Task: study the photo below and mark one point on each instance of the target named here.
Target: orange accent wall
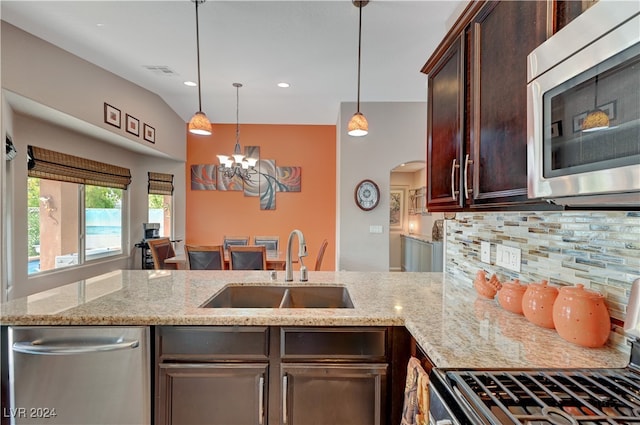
(212, 214)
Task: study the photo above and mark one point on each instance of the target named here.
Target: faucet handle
(304, 276)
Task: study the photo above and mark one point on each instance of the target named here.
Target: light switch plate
(485, 252)
(375, 228)
(508, 257)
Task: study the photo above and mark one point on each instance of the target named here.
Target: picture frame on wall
(396, 209)
(111, 115)
(556, 129)
(133, 125)
(149, 133)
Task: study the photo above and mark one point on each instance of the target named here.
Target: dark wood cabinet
(444, 129)
(477, 108)
(279, 375)
(334, 393)
(212, 394)
(495, 165)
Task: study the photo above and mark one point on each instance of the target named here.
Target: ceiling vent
(162, 70)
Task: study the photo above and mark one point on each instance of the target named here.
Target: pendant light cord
(237, 113)
(198, 55)
(359, 50)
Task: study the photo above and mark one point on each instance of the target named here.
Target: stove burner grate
(541, 397)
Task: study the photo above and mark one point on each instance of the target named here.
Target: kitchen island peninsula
(453, 326)
(284, 357)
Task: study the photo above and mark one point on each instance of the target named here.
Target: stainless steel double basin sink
(272, 296)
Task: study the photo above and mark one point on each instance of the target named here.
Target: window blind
(51, 165)
(160, 184)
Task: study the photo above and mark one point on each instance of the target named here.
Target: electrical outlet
(485, 252)
(508, 257)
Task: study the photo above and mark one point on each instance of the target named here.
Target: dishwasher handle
(66, 346)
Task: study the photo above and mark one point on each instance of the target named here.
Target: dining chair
(323, 248)
(161, 249)
(272, 243)
(227, 241)
(200, 257)
(251, 257)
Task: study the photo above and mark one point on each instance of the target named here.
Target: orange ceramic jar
(581, 316)
(537, 303)
(510, 296)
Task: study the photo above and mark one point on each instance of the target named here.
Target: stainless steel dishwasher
(79, 375)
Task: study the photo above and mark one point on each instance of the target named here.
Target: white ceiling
(312, 45)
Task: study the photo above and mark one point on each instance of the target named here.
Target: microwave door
(571, 156)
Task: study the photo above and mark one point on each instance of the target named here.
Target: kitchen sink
(260, 296)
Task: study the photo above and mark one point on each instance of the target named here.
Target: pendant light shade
(358, 125)
(199, 123)
(595, 120)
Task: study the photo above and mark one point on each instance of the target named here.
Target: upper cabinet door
(444, 129)
(495, 164)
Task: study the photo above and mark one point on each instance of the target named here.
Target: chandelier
(237, 164)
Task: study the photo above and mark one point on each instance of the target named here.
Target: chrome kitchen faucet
(302, 252)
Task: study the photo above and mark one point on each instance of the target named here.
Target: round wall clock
(367, 195)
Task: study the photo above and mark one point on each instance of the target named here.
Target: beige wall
(397, 134)
(66, 95)
(49, 76)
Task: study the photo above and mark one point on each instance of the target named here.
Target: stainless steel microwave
(583, 110)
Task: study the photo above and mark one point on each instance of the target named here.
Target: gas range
(542, 396)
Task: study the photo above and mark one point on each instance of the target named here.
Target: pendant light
(199, 123)
(358, 125)
(597, 119)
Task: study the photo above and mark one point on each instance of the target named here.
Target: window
(54, 225)
(161, 201)
(75, 210)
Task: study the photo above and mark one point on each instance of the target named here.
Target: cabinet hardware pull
(284, 399)
(454, 192)
(261, 400)
(467, 162)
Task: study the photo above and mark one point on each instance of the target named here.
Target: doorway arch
(405, 180)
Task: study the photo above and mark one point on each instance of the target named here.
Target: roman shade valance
(160, 184)
(51, 165)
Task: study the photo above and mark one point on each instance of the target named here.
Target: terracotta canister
(581, 316)
(510, 296)
(537, 303)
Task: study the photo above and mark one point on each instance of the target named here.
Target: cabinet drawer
(212, 342)
(334, 343)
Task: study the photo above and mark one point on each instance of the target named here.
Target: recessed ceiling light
(284, 85)
(190, 83)
(99, 25)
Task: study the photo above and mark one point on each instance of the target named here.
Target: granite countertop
(423, 238)
(452, 325)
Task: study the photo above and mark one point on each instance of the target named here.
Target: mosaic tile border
(599, 249)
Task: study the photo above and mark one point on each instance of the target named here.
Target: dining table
(275, 260)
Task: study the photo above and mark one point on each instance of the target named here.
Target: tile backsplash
(598, 249)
